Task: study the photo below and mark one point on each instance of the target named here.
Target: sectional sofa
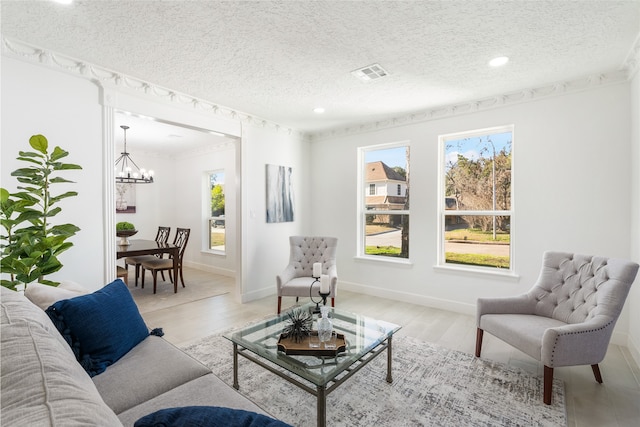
(43, 384)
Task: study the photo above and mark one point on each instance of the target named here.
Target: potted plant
(124, 230)
(31, 244)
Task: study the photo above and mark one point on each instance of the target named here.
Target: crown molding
(109, 78)
(106, 77)
(511, 98)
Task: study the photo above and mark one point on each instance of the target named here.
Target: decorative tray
(290, 347)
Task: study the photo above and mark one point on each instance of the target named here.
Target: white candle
(317, 269)
(324, 284)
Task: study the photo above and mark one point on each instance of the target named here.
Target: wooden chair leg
(596, 373)
(155, 279)
(279, 304)
(479, 334)
(162, 274)
(137, 273)
(143, 271)
(333, 302)
(548, 384)
(181, 278)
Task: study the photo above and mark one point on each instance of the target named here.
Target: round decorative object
(124, 236)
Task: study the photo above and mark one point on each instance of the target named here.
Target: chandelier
(127, 174)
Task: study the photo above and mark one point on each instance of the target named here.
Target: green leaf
(58, 153)
(56, 199)
(58, 180)
(4, 195)
(68, 166)
(39, 143)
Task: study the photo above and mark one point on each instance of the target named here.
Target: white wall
(266, 246)
(189, 173)
(155, 203)
(65, 109)
(572, 175)
(634, 296)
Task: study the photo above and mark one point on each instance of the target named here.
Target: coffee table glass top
(362, 335)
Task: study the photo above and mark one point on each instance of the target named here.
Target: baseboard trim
(444, 304)
(210, 269)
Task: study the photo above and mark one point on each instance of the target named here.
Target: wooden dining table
(151, 247)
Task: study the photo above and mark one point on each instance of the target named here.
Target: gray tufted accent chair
(567, 318)
(296, 279)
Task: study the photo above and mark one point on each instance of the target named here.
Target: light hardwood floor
(616, 402)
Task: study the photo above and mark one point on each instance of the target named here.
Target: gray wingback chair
(296, 279)
(567, 318)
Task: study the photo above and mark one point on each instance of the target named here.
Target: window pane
(478, 240)
(217, 221)
(387, 235)
(478, 172)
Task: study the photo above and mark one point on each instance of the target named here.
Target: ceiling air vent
(370, 72)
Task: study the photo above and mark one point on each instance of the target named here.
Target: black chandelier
(126, 174)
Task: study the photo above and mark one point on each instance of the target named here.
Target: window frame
(362, 212)
(443, 212)
(207, 219)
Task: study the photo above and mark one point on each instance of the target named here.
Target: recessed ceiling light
(318, 110)
(499, 61)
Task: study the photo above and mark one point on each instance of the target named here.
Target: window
(216, 221)
(476, 199)
(384, 210)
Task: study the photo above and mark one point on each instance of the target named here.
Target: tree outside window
(476, 205)
(217, 221)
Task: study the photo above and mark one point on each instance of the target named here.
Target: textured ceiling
(277, 60)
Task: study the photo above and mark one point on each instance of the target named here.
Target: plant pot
(124, 236)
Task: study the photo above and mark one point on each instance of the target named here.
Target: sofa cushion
(42, 383)
(208, 390)
(207, 416)
(100, 327)
(44, 295)
(151, 368)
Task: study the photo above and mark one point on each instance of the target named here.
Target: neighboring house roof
(379, 171)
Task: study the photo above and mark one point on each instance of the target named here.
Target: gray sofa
(44, 385)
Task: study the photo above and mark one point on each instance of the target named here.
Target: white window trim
(442, 212)
(361, 208)
(206, 214)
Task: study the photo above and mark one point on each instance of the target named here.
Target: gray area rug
(432, 386)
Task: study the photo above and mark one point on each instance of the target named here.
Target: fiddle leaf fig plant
(30, 242)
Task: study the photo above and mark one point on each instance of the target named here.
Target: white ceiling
(277, 60)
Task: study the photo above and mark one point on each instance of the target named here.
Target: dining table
(137, 247)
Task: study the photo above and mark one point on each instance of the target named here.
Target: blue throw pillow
(207, 416)
(100, 327)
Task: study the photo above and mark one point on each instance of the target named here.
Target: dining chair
(123, 274)
(162, 236)
(156, 265)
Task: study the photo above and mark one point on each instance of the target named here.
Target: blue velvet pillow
(207, 416)
(100, 327)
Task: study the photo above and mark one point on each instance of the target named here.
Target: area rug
(432, 386)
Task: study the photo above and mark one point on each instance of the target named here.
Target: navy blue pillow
(100, 327)
(207, 416)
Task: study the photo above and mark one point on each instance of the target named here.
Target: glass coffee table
(365, 339)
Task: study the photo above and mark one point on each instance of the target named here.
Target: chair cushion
(523, 331)
(207, 416)
(300, 287)
(100, 327)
